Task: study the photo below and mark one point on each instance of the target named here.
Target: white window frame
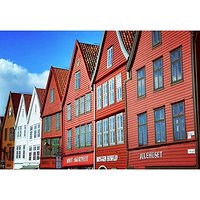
(24, 130)
(69, 139)
(30, 153)
(111, 91)
(35, 131)
(52, 95)
(105, 132)
(38, 152)
(69, 111)
(38, 130)
(109, 57)
(77, 80)
(82, 105)
(31, 133)
(24, 152)
(99, 134)
(77, 137)
(34, 152)
(82, 136)
(99, 98)
(89, 134)
(112, 130)
(120, 129)
(105, 94)
(88, 102)
(76, 107)
(119, 87)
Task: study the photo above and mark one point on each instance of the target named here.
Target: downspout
(94, 134)
(195, 94)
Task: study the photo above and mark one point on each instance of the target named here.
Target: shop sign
(78, 159)
(191, 151)
(151, 155)
(110, 158)
(190, 134)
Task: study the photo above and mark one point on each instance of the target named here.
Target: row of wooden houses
(132, 102)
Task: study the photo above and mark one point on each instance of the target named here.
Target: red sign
(78, 160)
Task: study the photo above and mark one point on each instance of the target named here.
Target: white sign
(78, 159)
(190, 134)
(110, 158)
(151, 155)
(191, 151)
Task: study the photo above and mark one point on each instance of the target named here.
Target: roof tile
(41, 96)
(27, 99)
(15, 100)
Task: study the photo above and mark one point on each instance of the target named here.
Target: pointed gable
(27, 101)
(41, 96)
(90, 53)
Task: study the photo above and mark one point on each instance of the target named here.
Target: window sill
(176, 82)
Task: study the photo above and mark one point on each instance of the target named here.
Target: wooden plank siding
(103, 75)
(171, 93)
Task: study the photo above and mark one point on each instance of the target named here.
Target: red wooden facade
(78, 150)
(51, 139)
(171, 153)
(111, 154)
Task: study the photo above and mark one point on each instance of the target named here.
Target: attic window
(52, 95)
(109, 57)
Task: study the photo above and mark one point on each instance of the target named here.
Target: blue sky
(26, 56)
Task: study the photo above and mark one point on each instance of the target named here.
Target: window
(82, 103)
(57, 121)
(176, 65)
(6, 134)
(77, 80)
(105, 94)
(35, 130)
(24, 130)
(77, 107)
(69, 111)
(120, 128)
(156, 38)
(34, 152)
(11, 134)
(24, 149)
(38, 134)
(11, 153)
(112, 130)
(159, 115)
(31, 132)
(99, 97)
(88, 102)
(109, 57)
(105, 132)
(89, 134)
(18, 152)
(111, 91)
(142, 129)
(38, 152)
(119, 87)
(77, 144)
(35, 108)
(30, 153)
(69, 139)
(55, 146)
(141, 82)
(99, 133)
(47, 124)
(46, 147)
(52, 95)
(82, 136)
(19, 134)
(178, 121)
(158, 74)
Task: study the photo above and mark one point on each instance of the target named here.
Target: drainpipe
(94, 140)
(195, 94)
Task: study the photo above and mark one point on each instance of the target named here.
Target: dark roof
(90, 53)
(15, 100)
(27, 100)
(41, 96)
(61, 76)
(127, 39)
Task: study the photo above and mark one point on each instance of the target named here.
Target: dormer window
(109, 57)
(52, 95)
(77, 80)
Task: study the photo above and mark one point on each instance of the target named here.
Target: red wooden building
(160, 105)
(51, 139)
(78, 109)
(108, 84)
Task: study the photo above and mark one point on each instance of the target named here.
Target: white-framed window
(82, 105)
(77, 80)
(77, 144)
(99, 97)
(77, 107)
(31, 133)
(99, 133)
(112, 130)
(69, 139)
(82, 136)
(38, 152)
(88, 102)
(111, 91)
(24, 130)
(105, 94)
(109, 57)
(34, 152)
(69, 111)
(24, 151)
(19, 131)
(57, 121)
(52, 95)
(105, 132)
(18, 151)
(30, 153)
(35, 130)
(89, 134)
(120, 128)
(119, 87)
(38, 131)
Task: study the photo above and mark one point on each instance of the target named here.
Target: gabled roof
(90, 53)
(126, 41)
(15, 100)
(27, 100)
(41, 95)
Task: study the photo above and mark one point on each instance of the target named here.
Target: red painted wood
(171, 93)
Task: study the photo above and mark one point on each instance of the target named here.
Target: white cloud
(17, 79)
